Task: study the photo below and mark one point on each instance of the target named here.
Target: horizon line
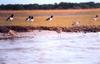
(45, 3)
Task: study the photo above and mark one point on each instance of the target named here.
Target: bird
(49, 18)
(30, 18)
(95, 18)
(10, 18)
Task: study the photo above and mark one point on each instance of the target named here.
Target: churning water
(49, 47)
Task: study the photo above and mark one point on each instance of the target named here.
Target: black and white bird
(50, 18)
(30, 18)
(95, 18)
(10, 18)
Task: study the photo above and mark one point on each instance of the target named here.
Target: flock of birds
(11, 18)
(31, 19)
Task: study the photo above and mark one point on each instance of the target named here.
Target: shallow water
(49, 47)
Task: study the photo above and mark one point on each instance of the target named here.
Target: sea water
(50, 47)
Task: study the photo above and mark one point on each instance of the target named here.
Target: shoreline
(57, 29)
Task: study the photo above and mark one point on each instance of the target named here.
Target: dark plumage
(30, 18)
(10, 17)
(49, 18)
(95, 18)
